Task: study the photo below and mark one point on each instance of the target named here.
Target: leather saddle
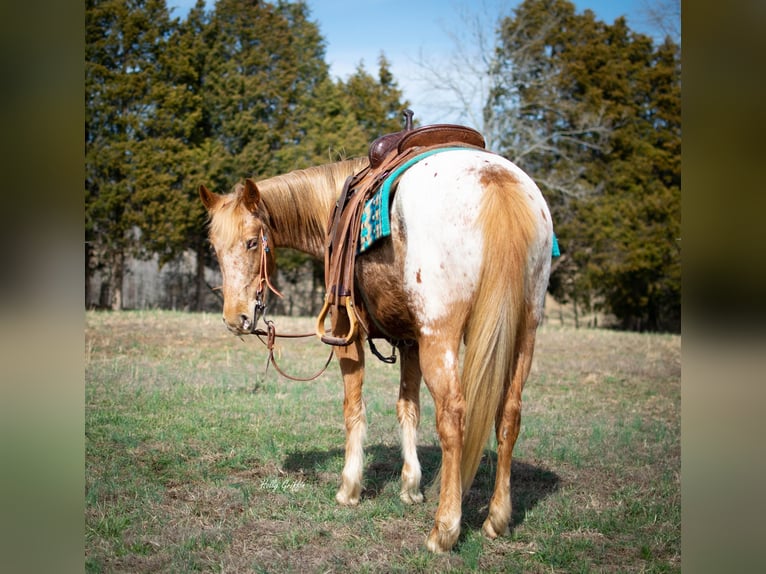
(386, 154)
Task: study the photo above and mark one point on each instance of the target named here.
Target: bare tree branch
(665, 15)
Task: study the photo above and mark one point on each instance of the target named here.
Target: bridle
(263, 279)
(260, 312)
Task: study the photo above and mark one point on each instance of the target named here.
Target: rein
(271, 332)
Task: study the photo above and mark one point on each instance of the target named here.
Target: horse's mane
(310, 190)
(297, 203)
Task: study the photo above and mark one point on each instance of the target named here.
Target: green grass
(198, 462)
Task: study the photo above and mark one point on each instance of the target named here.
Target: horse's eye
(251, 243)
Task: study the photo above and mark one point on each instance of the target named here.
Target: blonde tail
(498, 313)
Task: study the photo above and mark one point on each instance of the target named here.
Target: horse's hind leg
(439, 363)
(351, 359)
(408, 413)
(507, 425)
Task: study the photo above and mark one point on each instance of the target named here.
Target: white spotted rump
(440, 199)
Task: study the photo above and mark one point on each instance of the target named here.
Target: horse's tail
(499, 310)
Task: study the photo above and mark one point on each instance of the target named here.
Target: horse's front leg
(408, 413)
(351, 359)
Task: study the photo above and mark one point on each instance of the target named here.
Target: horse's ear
(251, 196)
(209, 199)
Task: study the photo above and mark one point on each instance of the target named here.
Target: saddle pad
(556, 250)
(376, 223)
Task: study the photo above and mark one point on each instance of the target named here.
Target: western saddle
(386, 154)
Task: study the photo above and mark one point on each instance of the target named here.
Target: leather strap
(271, 335)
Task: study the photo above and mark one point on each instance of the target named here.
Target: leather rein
(271, 332)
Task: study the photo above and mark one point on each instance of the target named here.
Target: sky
(414, 33)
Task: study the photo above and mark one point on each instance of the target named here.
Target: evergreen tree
(596, 109)
(377, 104)
(337, 121)
(328, 131)
(634, 224)
(263, 62)
(179, 153)
(124, 41)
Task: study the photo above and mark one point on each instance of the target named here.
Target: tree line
(590, 110)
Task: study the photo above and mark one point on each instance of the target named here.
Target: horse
(467, 262)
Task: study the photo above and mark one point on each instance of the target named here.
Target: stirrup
(329, 338)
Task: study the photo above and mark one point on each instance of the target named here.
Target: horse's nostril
(244, 321)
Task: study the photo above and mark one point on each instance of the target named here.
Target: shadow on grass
(530, 484)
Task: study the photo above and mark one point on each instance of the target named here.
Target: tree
(337, 121)
(263, 62)
(180, 153)
(329, 131)
(634, 225)
(459, 83)
(124, 41)
(593, 113)
(377, 104)
(665, 16)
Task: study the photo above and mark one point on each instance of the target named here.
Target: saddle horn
(407, 113)
(384, 144)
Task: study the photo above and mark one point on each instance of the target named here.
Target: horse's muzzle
(246, 324)
(242, 325)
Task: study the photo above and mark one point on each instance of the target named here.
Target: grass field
(198, 461)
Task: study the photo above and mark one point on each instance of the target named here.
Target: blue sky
(408, 32)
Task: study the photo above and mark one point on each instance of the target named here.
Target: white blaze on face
(234, 266)
(238, 275)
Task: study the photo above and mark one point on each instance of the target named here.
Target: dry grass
(196, 461)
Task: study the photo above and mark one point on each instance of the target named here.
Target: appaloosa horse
(467, 260)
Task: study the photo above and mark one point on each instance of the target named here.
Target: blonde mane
(296, 205)
(227, 224)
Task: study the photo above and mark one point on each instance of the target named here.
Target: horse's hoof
(345, 500)
(433, 546)
(410, 498)
(491, 531)
(442, 539)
